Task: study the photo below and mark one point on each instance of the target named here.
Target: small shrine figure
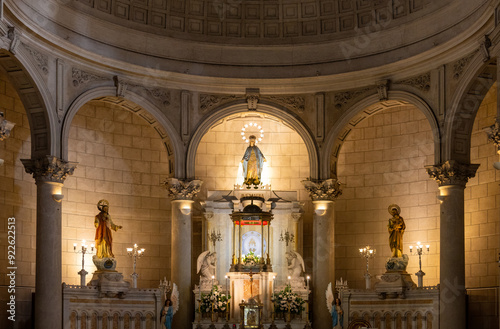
(253, 163)
(104, 225)
(396, 228)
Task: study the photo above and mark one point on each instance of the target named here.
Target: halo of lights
(248, 126)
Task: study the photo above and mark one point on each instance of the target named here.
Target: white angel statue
(333, 305)
(170, 307)
(295, 264)
(206, 265)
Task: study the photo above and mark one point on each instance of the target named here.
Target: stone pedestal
(395, 281)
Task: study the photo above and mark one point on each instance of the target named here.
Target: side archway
(43, 123)
(140, 106)
(478, 79)
(266, 109)
(363, 109)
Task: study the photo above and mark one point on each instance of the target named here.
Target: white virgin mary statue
(253, 163)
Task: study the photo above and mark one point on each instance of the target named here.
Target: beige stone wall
(121, 159)
(382, 162)
(17, 189)
(482, 205)
(221, 149)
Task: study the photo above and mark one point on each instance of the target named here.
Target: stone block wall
(382, 162)
(121, 159)
(482, 203)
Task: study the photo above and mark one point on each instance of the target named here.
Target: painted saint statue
(253, 163)
(104, 225)
(396, 228)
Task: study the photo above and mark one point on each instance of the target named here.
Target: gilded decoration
(182, 189)
(49, 168)
(323, 190)
(452, 172)
(494, 135)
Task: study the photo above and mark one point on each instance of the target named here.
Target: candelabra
(83, 250)
(135, 253)
(214, 237)
(287, 237)
(367, 253)
(166, 287)
(419, 251)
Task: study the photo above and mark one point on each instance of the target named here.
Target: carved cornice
(296, 103)
(345, 97)
(182, 189)
(452, 173)
(208, 102)
(252, 96)
(493, 133)
(323, 190)
(421, 82)
(49, 168)
(41, 60)
(81, 77)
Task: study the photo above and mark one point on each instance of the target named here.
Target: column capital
(328, 189)
(182, 189)
(49, 168)
(452, 172)
(493, 133)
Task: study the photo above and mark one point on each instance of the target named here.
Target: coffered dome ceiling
(255, 38)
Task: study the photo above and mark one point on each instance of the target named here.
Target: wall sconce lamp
(186, 210)
(320, 211)
(57, 197)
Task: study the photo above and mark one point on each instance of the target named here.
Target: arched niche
(265, 109)
(43, 123)
(140, 106)
(369, 106)
(476, 82)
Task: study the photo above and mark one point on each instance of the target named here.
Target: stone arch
(26, 82)
(363, 109)
(267, 109)
(137, 104)
(476, 82)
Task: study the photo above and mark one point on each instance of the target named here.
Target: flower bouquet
(250, 259)
(216, 301)
(286, 300)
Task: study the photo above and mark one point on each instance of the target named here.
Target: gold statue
(253, 163)
(396, 229)
(104, 225)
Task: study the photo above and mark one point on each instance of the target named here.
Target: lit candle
(308, 277)
(411, 249)
(74, 246)
(427, 246)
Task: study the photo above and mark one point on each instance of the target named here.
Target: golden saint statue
(396, 228)
(104, 225)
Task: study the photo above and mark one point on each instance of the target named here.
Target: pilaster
(323, 195)
(452, 177)
(182, 193)
(49, 173)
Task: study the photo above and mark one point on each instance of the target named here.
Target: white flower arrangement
(215, 301)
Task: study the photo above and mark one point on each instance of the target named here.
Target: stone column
(182, 193)
(323, 194)
(49, 173)
(452, 177)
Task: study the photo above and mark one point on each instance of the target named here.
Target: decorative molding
(82, 77)
(120, 85)
(49, 168)
(323, 190)
(452, 172)
(186, 105)
(5, 127)
(41, 60)
(60, 85)
(342, 98)
(485, 48)
(382, 90)
(421, 82)
(182, 189)
(295, 103)
(252, 96)
(209, 102)
(319, 102)
(493, 133)
(460, 65)
(160, 94)
(13, 35)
